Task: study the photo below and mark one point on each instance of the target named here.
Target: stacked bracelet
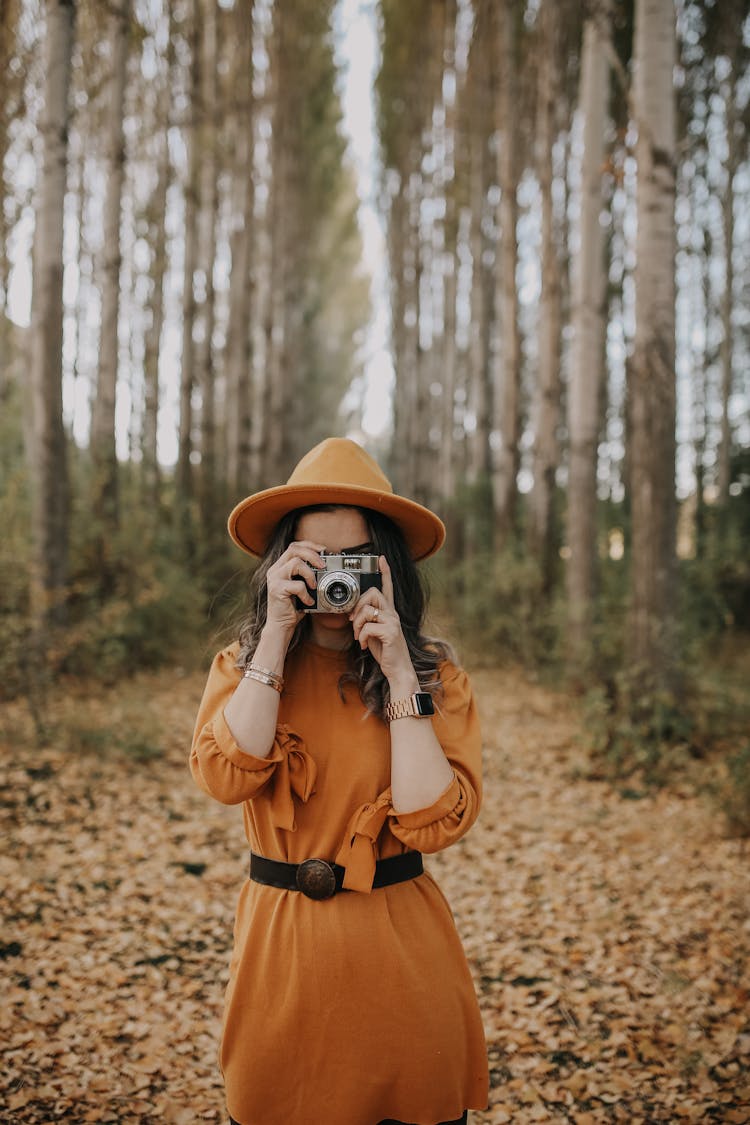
(264, 676)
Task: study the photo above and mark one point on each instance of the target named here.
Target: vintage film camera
(342, 581)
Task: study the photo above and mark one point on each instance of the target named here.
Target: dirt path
(609, 936)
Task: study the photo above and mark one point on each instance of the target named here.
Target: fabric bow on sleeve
(294, 777)
(357, 851)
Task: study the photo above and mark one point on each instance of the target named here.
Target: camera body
(341, 582)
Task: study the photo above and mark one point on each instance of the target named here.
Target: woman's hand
(377, 627)
(289, 578)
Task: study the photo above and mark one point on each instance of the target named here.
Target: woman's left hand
(377, 627)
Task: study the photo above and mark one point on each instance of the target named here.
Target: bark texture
(652, 387)
(50, 504)
(587, 357)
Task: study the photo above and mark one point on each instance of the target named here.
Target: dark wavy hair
(410, 597)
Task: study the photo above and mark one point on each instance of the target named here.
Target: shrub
(632, 727)
(497, 607)
(732, 793)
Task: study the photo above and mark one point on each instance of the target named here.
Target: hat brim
(252, 521)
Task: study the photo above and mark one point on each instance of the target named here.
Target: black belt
(319, 879)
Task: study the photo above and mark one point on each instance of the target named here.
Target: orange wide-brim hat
(338, 471)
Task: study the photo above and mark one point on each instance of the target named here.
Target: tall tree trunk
(421, 415)
(398, 227)
(700, 415)
(157, 222)
(542, 522)
(103, 438)
(286, 399)
(209, 197)
(724, 452)
(427, 236)
(9, 16)
(447, 481)
(241, 312)
(480, 394)
(50, 504)
(187, 365)
(507, 375)
(587, 352)
(653, 503)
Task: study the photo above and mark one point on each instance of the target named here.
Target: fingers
(293, 573)
(305, 551)
(368, 610)
(385, 573)
(284, 590)
(374, 619)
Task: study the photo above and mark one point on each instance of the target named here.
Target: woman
(353, 745)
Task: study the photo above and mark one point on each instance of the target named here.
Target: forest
(563, 191)
(549, 347)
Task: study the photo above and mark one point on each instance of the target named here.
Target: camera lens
(337, 592)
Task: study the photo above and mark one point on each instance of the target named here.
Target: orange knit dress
(360, 1007)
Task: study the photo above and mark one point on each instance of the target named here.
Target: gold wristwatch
(417, 706)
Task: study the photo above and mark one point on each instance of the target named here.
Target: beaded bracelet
(264, 676)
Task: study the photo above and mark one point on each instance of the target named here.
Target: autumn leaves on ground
(608, 930)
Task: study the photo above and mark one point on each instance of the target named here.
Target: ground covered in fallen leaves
(608, 930)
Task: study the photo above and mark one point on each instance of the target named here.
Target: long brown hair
(409, 595)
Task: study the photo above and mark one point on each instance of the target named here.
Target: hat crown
(340, 461)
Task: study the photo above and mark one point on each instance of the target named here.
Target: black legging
(392, 1121)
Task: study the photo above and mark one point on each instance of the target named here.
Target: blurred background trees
(564, 190)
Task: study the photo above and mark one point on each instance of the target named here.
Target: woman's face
(341, 530)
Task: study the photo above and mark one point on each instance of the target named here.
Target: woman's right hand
(289, 578)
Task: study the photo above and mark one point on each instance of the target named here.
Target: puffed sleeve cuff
(230, 775)
(444, 822)
(422, 818)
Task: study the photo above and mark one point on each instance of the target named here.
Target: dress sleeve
(224, 771)
(456, 724)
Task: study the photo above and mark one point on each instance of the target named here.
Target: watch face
(424, 704)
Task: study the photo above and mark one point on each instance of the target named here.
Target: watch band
(417, 706)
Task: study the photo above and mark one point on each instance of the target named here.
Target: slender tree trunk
(103, 437)
(507, 376)
(152, 343)
(209, 199)
(409, 384)
(543, 535)
(9, 16)
(480, 392)
(447, 482)
(192, 190)
(653, 503)
(50, 503)
(724, 452)
(587, 353)
(284, 407)
(241, 310)
(421, 417)
(700, 417)
(397, 230)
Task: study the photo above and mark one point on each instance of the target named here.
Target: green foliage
(15, 562)
(732, 793)
(135, 739)
(497, 605)
(715, 594)
(134, 601)
(634, 727)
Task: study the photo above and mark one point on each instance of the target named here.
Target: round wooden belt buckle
(316, 879)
